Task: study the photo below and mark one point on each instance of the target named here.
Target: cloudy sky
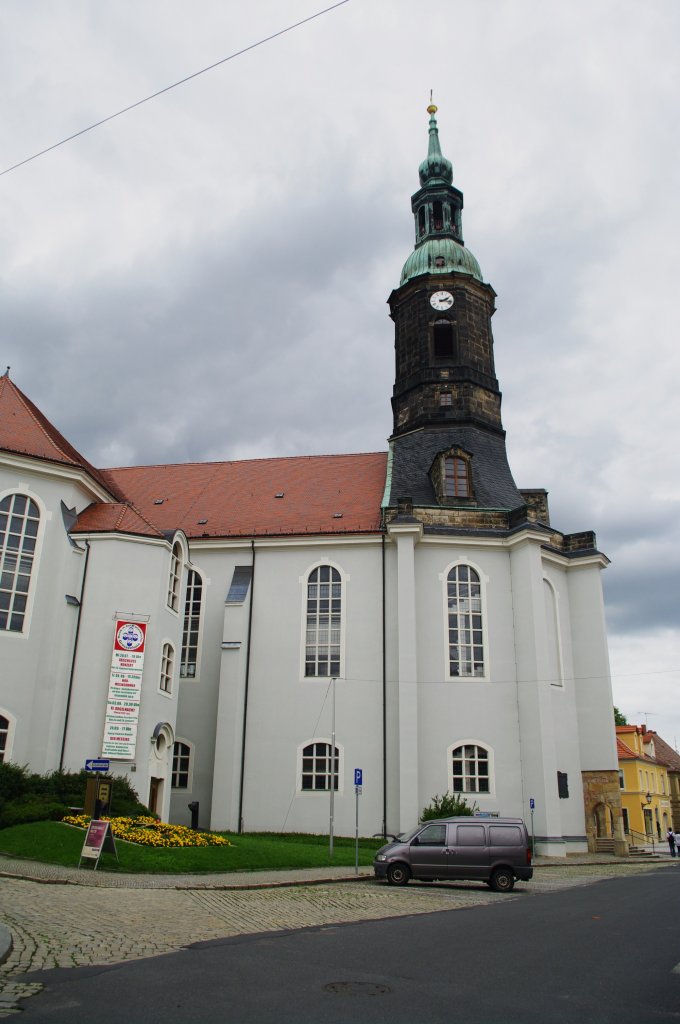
(205, 276)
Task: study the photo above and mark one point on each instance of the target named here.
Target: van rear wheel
(502, 880)
(398, 874)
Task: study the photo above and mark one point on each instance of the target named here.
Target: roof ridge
(240, 462)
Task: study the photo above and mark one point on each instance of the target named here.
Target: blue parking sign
(358, 776)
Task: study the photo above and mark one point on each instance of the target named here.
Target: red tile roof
(25, 431)
(319, 494)
(624, 753)
(114, 518)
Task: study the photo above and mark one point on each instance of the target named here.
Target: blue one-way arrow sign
(100, 764)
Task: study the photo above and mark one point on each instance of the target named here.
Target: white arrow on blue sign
(100, 764)
(358, 776)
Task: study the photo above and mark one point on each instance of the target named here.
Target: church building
(247, 635)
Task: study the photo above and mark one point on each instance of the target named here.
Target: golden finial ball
(432, 109)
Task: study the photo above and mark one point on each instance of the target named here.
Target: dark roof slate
(414, 453)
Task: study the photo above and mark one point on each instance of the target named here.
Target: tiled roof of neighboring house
(298, 496)
(664, 752)
(623, 730)
(25, 431)
(114, 518)
(624, 753)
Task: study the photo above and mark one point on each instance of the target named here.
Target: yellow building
(644, 782)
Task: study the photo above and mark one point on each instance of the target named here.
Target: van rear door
(469, 857)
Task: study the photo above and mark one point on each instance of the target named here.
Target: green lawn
(56, 843)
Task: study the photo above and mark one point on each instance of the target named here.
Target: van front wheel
(502, 880)
(398, 874)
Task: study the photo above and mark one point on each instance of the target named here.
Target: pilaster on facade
(537, 739)
(407, 534)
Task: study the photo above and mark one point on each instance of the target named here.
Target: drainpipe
(73, 659)
(384, 693)
(245, 692)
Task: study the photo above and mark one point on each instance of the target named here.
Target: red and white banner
(125, 690)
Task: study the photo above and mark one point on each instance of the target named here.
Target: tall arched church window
(470, 769)
(456, 477)
(443, 340)
(19, 522)
(175, 577)
(319, 767)
(324, 622)
(192, 624)
(466, 636)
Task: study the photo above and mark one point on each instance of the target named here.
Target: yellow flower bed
(147, 831)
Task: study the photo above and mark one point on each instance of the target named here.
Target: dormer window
(451, 476)
(456, 481)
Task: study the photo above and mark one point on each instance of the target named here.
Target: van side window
(504, 835)
(471, 835)
(433, 835)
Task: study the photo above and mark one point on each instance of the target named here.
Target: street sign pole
(532, 804)
(358, 781)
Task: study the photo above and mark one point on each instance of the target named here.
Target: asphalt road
(594, 954)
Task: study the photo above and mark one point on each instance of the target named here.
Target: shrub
(449, 805)
(27, 797)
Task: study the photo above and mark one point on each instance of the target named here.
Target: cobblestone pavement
(64, 925)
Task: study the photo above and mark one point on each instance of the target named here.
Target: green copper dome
(440, 256)
(438, 207)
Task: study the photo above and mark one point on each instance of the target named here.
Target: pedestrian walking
(670, 836)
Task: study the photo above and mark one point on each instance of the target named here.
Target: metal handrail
(644, 836)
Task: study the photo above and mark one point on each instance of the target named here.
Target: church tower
(448, 441)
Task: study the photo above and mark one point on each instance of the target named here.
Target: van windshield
(406, 837)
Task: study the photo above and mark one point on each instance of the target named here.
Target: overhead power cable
(167, 88)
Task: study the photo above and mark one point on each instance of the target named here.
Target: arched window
(324, 621)
(470, 769)
(181, 765)
(192, 624)
(19, 522)
(4, 737)
(316, 767)
(167, 668)
(443, 340)
(421, 220)
(466, 640)
(175, 576)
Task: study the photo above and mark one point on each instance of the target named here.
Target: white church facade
(246, 634)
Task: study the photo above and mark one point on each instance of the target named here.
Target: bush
(27, 797)
(449, 805)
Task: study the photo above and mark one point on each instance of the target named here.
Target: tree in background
(619, 719)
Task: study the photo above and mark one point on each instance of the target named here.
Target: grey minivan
(491, 850)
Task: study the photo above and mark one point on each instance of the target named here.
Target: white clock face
(441, 300)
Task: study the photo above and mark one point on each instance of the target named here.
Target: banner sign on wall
(125, 690)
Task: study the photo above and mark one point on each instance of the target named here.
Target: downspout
(384, 693)
(73, 659)
(245, 692)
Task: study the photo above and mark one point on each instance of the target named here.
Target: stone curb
(6, 943)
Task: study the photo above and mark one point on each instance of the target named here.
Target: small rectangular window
(562, 785)
(240, 582)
